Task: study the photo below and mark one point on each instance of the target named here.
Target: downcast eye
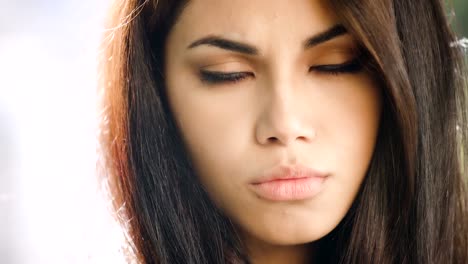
(217, 77)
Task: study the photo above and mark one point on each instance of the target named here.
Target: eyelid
(233, 66)
(215, 77)
(354, 65)
(336, 58)
(333, 56)
(337, 64)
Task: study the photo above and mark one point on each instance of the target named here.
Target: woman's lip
(283, 172)
(285, 183)
(289, 190)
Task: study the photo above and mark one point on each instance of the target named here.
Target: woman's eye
(216, 77)
(353, 66)
(219, 77)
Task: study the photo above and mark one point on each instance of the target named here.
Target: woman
(286, 131)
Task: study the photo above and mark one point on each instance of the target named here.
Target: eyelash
(215, 77)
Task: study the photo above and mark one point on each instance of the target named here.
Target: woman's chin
(287, 235)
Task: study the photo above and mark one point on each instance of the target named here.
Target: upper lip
(283, 172)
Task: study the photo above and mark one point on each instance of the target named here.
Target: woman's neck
(297, 254)
(263, 253)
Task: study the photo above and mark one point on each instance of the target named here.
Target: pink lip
(286, 183)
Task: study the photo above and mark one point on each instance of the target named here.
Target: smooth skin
(284, 109)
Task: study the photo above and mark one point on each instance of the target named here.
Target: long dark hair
(412, 206)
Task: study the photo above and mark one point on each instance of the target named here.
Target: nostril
(288, 138)
(273, 139)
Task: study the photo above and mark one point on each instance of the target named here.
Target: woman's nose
(283, 122)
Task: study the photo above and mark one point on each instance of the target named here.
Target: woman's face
(256, 94)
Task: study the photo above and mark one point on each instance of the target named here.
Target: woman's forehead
(254, 21)
(240, 12)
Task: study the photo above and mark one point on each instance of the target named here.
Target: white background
(50, 208)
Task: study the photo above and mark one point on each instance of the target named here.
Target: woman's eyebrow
(226, 44)
(333, 32)
(231, 45)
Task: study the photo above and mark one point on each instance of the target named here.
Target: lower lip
(289, 189)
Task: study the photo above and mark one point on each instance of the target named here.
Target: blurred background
(460, 8)
(51, 210)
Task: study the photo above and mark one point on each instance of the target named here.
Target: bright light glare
(50, 206)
